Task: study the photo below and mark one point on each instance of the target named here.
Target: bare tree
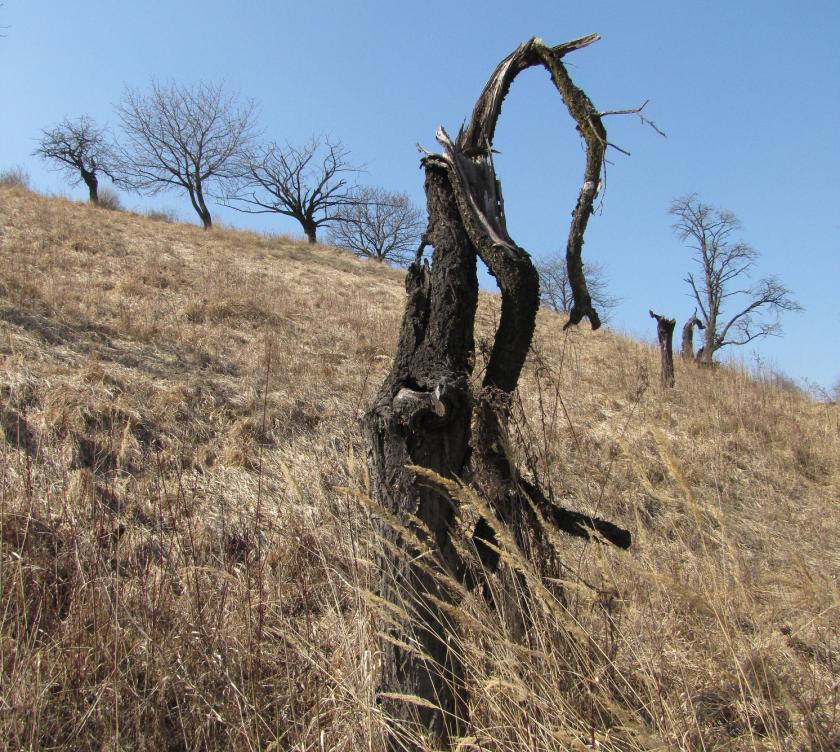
(81, 150)
(427, 432)
(182, 137)
(722, 284)
(556, 290)
(308, 184)
(380, 225)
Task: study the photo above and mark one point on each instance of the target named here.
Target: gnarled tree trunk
(665, 334)
(422, 416)
(310, 229)
(425, 415)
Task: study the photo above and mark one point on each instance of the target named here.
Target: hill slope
(186, 563)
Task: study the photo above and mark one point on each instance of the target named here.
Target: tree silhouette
(378, 224)
(183, 137)
(556, 290)
(81, 150)
(733, 311)
(306, 183)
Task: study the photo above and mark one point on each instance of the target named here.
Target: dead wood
(425, 415)
(687, 349)
(665, 334)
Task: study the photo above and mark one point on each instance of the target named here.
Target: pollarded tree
(378, 224)
(183, 137)
(309, 184)
(733, 311)
(81, 150)
(556, 290)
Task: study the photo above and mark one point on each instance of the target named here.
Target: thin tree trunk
(665, 333)
(200, 207)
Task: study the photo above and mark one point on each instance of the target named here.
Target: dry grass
(186, 562)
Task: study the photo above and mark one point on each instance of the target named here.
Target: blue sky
(748, 92)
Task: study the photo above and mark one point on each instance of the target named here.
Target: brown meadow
(187, 557)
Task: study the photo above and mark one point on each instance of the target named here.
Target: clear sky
(748, 92)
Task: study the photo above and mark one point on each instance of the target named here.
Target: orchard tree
(733, 311)
(81, 150)
(309, 184)
(378, 224)
(184, 137)
(556, 290)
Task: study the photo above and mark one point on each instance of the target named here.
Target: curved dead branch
(475, 141)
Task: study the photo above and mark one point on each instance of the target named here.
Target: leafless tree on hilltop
(183, 137)
(81, 150)
(308, 183)
(725, 265)
(379, 224)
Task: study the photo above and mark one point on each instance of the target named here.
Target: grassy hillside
(186, 550)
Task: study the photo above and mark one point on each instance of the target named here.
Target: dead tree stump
(425, 418)
(687, 350)
(665, 333)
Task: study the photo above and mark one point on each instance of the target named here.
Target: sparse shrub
(14, 177)
(163, 215)
(774, 376)
(109, 199)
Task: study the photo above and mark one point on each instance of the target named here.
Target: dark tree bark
(197, 198)
(310, 229)
(92, 184)
(425, 416)
(665, 333)
(421, 417)
(687, 350)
